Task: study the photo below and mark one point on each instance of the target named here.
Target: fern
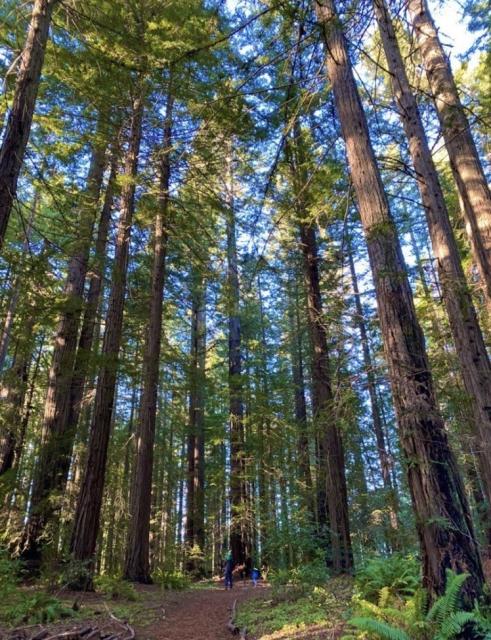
(380, 629)
(448, 603)
(395, 620)
(454, 624)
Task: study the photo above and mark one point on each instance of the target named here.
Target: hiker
(229, 566)
(255, 575)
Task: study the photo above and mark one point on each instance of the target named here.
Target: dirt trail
(201, 614)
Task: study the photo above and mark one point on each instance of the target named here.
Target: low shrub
(175, 580)
(116, 588)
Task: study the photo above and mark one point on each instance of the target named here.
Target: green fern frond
(379, 630)
(447, 604)
(454, 624)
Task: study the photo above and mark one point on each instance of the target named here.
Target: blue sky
(452, 25)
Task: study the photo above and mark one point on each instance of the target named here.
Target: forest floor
(202, 613)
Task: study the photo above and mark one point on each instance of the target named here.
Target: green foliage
(175, 580)
(22, 606)
(319, 607)
(291, 583)
(396, 619)
(39, 607)
(397, 574)
(116, 588)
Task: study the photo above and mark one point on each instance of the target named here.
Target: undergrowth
(21, 606)
(389, 604)
(116, 588)
(175, 580)
(301, 598)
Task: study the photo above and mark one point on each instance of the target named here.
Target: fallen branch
(114, 630)
(232, 625)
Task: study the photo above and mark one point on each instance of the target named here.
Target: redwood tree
(87, 514)
(464, 158)
(469, 342)
(137, 562)
(442, 514)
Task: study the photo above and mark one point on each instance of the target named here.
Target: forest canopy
(245, 261)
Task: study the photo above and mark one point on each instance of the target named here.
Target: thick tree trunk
(442, 514)
(238, 498)
(469, 343)
(56, 436)
(18, 127)
(196, 441)
(464, 158)
(87, 515)
(137, 562)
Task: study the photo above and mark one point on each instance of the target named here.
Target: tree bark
(56, 436)
(137, 562)
(196, 442)
(464, 158)
(442, 513)
(18, 127)
(238, 497)
(87, 515)
(467, 336)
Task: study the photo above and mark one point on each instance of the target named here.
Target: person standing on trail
(255, 575)
(229, 566)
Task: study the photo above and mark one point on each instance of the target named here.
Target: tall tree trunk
(331, 451)
(265, 456)
(297, 366)
(378, 427)
(238, 498)
(442, 513)
(332, 490)
(196, 441)
(56, 436)
(87, 515)
(469, 343)
(464, 158)
(137, 562)
(18, 127)
(87, 332)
